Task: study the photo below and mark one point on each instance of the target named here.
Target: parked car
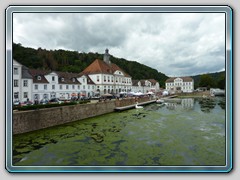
(27, 103)
(16, 103)
(44, 101)
(83, 98)
(55, 101)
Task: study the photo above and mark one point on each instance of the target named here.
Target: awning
(73, 94)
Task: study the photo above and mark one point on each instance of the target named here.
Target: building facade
(180, 84)
(100, 77)
(22, 82)
(145, 86)
(107, 76)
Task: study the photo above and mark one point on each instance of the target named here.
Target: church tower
(106, 57)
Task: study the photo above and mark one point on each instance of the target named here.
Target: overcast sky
(176, 44)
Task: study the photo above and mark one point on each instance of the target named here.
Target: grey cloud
(175, 44)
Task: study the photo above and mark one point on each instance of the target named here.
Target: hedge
(41, 106)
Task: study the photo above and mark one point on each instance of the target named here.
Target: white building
(53, 84)
(107, 76)
(180, 84)
(22, 83)
(88, 87)
(17, 83)
(145, 86)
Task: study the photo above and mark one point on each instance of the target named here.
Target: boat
(217, 92)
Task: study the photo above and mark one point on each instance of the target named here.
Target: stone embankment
(26, 121)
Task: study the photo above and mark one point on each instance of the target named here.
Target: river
(188, 131)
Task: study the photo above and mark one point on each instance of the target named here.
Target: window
(104, 77)
(53, 86)
(36, 87)
(15, 71)
(62, 79)
(39, 78)
(78, 87)
(83, 80)
(97, 78)
(112, 79)
(92, 87)
(53, 78)
(73, 79)
(25, 95)
(108, 79)
(60, 86)
(83, 86)
(16, 95)
(66, 86)
(25, 83)
(73, 87)
(15, 83)
(45, 87)
(88, 87)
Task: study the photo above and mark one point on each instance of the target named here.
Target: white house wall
(17, 77)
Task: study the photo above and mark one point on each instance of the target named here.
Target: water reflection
(188, 103)
(207, 104)
(174, 133)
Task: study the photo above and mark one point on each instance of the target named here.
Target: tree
(206, 81)
(221, 82)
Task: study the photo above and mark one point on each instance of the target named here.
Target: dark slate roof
(135, 82)
(67, 78)
(153, 81)
(185, 79)
(89, 80)
(36, 73)
(25, 73)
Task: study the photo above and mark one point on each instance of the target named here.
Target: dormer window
(62, 79)
(39, 78)
(73, 79)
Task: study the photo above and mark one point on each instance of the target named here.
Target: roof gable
(100, 67)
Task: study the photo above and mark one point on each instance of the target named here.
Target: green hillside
(73, 61)
(210, 80)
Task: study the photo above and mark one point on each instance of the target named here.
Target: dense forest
(73, 61)
(211, 80)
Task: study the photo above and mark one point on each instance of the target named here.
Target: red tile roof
(101, 67)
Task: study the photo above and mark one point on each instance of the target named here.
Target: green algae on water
(169, 135)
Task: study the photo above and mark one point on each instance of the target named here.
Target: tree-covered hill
(210, 80)
(73, 61)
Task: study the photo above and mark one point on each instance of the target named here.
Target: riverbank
(194, 94)
(32, 120)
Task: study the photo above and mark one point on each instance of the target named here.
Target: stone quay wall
(131, 101)
(26, 121)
